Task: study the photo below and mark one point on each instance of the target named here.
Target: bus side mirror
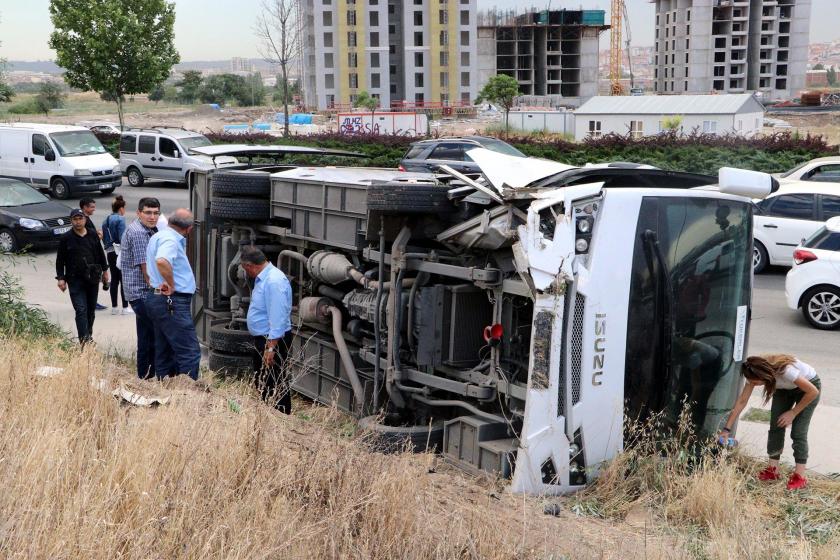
(49, 155)
(741, 182)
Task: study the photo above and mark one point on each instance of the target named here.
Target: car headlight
(116, 170)
(80, 172)
(29, 223)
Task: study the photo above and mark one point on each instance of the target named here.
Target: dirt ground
(140, 112)
(820, 124)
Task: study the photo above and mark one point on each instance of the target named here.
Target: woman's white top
(793, 372)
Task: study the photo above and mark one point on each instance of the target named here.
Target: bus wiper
(665, 296)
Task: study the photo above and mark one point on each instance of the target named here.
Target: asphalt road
(170, 195)
(774, 327)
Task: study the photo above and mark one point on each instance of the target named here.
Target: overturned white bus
(511, 320)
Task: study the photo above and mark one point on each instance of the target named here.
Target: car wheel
(109, 190)
(59, 189)
(135, 178)
(393, 439)
(240, 208)
(8, 241)
(241, 183)
(821, 307)
(760, 257)
(224, 339)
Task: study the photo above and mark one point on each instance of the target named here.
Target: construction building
(732, 46)
(413, 54)
(553, 54)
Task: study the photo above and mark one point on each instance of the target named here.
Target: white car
(820, 170)
(813, 284)
(789, 215)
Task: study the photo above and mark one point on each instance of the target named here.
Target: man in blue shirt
(171, 278)
(269, 322)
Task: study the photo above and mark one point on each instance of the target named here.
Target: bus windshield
(689, 299)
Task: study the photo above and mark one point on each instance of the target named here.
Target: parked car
(820, 170)
(428, 155)
(164, 153)
(102, 127)
(788, 216)
(28, 218)
(61, 158)
(813, 283)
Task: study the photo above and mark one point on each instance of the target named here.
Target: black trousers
(116, 281)
(83, 296)
(273, 381)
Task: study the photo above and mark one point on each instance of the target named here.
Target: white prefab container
(403, 124)
(555, 122)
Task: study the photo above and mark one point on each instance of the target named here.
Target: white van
(62, 159)
(164, 153)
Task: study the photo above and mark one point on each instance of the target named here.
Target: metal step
(479, 445)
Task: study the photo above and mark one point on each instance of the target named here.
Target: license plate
(59, 231)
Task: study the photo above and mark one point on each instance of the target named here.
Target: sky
(221, 29)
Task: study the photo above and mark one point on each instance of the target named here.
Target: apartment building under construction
(551, 53)
(415, 52)
(732, 46)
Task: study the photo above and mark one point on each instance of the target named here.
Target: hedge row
(700, 153)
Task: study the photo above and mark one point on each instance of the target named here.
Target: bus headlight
(581, 245)
(584, 225)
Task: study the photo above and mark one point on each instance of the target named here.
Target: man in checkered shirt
(136, 283)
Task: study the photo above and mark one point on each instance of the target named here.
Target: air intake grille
(576, 346)
(561, 387)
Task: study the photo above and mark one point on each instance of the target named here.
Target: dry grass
(709, 496)
(87, 477)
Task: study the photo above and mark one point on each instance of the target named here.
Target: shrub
(695, 152)
(17, 318)
(25, 107)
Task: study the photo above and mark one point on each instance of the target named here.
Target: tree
(122, 48)
(281, 88)
(6, 91)
(279, 33)
(51, 96)
(190, 86)
(223, 88)
(500, 90)
(672, 124)
(832, 76)
(111, 97)
(157, 93)
(819, 66)
(254, 93)
(364, 100)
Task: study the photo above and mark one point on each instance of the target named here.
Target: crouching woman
(795, 390)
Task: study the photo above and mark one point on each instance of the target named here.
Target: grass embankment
(217, 474)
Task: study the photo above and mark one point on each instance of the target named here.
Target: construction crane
(617, 13)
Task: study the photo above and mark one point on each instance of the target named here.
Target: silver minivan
(165, 154)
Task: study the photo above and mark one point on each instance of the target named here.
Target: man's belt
(157, 292)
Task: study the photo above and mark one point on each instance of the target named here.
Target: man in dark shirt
(88, 206)
(80, 265)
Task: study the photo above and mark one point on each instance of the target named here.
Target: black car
(28, 218)
(427, 155)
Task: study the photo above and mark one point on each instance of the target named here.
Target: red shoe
(768, 474)
(797, 482)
